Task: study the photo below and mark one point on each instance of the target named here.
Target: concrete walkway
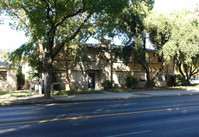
(127, 95)
(38, 99)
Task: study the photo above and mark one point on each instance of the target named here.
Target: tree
(176, 36)
(131, 25)
(28, 53)
(45, 20)
(72, 55)
(4, 53)
(20, 78)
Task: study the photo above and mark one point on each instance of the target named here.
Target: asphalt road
(160, 116)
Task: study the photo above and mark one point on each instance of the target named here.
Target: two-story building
(103, 65)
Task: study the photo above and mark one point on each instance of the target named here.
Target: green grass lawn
(18, 93)
(73, 92)
(120, 90)
(189, 86)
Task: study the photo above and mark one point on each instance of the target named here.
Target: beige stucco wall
(101, 65)
(11, 82)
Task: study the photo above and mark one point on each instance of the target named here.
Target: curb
(51, 101)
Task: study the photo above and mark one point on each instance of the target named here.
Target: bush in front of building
(131, 82)
(176, 80)
(171, 81)
(107, 84)
(180, 80)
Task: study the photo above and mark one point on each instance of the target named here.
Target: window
(3, 75)
(121, 78)
(143, 77)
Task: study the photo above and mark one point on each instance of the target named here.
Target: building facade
(8, 79)
(103, 65)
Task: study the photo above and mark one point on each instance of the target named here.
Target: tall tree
(131, 25)
(72, 55)
(177, 36)
(45, 19)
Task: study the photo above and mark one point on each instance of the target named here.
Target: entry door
(91, 80)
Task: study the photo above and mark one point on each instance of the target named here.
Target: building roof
(4, 64)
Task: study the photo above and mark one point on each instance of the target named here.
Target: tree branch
(72, 37)
(48, 12)
(71, 15)
(160, 70)
(195, 72)
(8, 6)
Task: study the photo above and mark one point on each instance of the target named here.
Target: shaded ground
(11, 94)
(38, 99)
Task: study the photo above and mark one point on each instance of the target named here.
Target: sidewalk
(38, 99)
(127, 95)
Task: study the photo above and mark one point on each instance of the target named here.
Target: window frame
(3, 77)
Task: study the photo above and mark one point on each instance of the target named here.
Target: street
(158, 116)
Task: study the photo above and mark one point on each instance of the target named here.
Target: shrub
(32, 88)
(176, 80)
(115, 90)
(180, 80)
(107, 84)
(171, 81)
(131, 82)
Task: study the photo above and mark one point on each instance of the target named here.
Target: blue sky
(13, 39)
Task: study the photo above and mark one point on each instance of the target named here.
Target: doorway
(91, 80)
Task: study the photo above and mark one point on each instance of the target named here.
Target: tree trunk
(67, 85)
(149, 82)
(186, 69)
(180, 69)
(48, 67)
(111, 67)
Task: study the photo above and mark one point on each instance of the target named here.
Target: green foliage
(131, 26)
(130, 22)
(115, 90)
(176, 36)
(125, 54)
(180, 80)
(27, 53)
(4, 54)
(160, 27)
(171, 81)
(53, 24)
(107, 84)
(176, 80)
(32, 89)
(11, 94)
(131, 82)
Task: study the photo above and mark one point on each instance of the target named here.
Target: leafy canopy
(176, 35)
